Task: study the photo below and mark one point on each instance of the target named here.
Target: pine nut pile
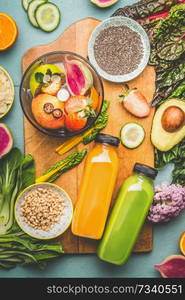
(42, 208)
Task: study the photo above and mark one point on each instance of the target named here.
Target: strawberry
(75, 121)
(135, 103)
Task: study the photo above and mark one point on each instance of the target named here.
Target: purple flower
(168, 202)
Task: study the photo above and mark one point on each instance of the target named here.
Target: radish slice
(63, 95)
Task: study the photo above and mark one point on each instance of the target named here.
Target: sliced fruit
(135, 102)
(75, 122)
(172, 267)
(104, 3)
(48, 16)
(6, 140)
(75, 104)
(8, 31)
(182, 243)
(132, 135)
(48, 111)
(78, 77)
(95, 98)
(42, 70)
(161, 137)
(32, 7)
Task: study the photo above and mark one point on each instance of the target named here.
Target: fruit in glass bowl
(61, 94)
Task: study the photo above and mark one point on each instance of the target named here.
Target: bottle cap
(107, 139)
(145, 170)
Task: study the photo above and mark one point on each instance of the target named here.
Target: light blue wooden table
(165, 236)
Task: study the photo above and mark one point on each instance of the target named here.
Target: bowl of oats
(44, 211)
(7, 92)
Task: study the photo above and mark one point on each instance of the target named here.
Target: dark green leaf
(48, 72)
(39, 77)
(144, 8)
(177, 156)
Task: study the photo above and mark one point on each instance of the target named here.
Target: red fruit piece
(78, 77)
(172, 267)
(136, 103)
(74, 121)
(6, 140)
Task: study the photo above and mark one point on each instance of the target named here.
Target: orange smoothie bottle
(96, 189)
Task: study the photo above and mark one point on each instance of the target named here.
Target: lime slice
(132, 135)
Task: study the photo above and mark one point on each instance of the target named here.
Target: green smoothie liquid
(126, 220)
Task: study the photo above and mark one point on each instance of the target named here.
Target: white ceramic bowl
(13, 92)
(133, 25)
(58, 228)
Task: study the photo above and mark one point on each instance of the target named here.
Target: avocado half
(162, 139)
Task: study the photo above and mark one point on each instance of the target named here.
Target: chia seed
(118, 50)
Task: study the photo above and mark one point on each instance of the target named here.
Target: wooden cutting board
(75, 38)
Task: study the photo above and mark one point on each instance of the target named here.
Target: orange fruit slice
(8, 31)
(182, 243)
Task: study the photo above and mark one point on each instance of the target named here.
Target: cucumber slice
(48, 16)
(31, 11)
(25, 4)
(132, 135)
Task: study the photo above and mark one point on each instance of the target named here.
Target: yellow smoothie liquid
(96, 189)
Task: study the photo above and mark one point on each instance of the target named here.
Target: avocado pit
(173, 119)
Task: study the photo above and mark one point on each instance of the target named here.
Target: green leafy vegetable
(168, 53)
(100, 123)
(150, 26)
(62, 166)
(16, 173)
(39, 77)
(49, 72)
(13, 178)
(177, 156)
(169, 37)
(144, 8)
(18, 247)
(179, 92)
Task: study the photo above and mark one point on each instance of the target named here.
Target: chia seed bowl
(119, 49)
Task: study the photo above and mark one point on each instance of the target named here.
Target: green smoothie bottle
(128, 215)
